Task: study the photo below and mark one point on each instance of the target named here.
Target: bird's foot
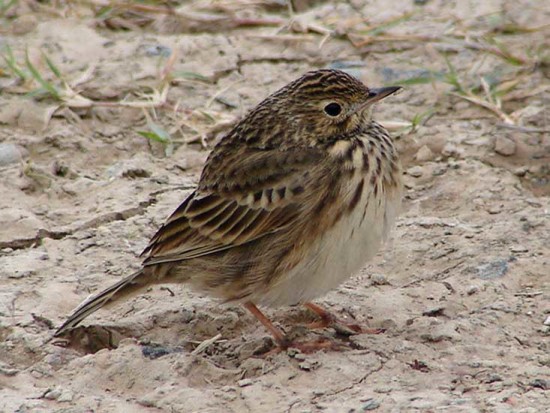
(305, 347)
(341, 326)
(313, 346)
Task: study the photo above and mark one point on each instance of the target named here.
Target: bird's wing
(243, 195)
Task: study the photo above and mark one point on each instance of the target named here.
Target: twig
(528, 294)
(487, 105)
(522, 128)
(205, 344)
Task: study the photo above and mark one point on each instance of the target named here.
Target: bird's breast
(362, 215)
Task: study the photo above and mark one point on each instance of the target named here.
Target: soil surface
(461, 289)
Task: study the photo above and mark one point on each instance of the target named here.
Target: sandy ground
(462, 288)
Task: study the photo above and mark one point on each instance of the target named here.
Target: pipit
(291, 202)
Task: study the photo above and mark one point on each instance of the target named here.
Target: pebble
(540, 384)
(6, 371)
(439, 170)
(434, 312)
(472, 289)
(154, 352)
(521, 171)
(518, 248)
(292, 352)
(305, 365)
(495, 269)
(547, 321)
(379, 279)
(450, 149)
(158, 50)
(415, 171)
(131, 168)
(505, 146)
(9, 153)
(424, 154)
(370, 404)
(53, 394)
(244, 382)
(493, 378)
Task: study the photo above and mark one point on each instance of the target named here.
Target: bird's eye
(333, 109)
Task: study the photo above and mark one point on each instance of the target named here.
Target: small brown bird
(291, 202)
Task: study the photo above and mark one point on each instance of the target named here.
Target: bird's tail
(94, 303)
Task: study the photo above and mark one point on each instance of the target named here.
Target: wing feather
(268, 195)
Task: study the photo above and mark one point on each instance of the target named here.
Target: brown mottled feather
(279, 198)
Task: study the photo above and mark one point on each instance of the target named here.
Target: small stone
(472, 289)
(228, 389)
(370, 404)
(52, 394)
(379, 279)
(450, 149)
(495, 269)
(415, 171)
(439, 333)
(305, 365)
(424, 154)
(130, 168)
(521, 171)
(318, 392)
(9, 154)
(505, 146)
(244, 382)
(154, 352)
(518, 248)
(158, 50)
(547, 321)
(493, 378)
(434, 312)
(292, 352)
(439, 170)
(6, 371)
(300, 357)
(540, 384)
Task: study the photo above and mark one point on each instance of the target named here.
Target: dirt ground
(462, 288)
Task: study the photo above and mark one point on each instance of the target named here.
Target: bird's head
(327, 104)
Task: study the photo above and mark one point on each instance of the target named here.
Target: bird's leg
(329, 320)
(283, 342)
(277, 334)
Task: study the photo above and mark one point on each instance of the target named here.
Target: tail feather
(94, 303)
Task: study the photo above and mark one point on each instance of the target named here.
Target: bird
(291, 202)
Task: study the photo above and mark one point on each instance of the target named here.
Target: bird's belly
(339, 254)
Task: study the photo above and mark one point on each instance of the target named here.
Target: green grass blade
(156, 133)
(38, 77)
(9, 58)
(52, 67)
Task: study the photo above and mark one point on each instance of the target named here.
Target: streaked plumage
(291, 202)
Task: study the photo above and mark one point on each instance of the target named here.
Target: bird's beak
(382, 92)
(377, 94)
